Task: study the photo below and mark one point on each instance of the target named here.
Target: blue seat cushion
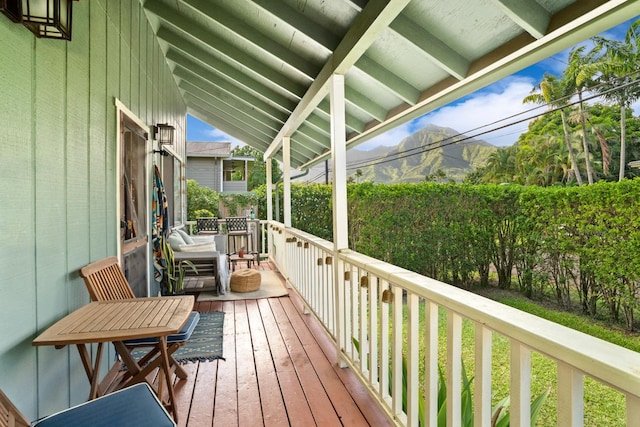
(183, 335)
(133, 406)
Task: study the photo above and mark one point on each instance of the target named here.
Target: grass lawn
(603, 406)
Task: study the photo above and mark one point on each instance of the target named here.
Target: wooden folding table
(118, 321)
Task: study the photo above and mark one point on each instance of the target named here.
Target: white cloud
(494, 107)
(390, 138)
(217, 135)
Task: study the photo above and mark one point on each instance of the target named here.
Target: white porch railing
(353, 308)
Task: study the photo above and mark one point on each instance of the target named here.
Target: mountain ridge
(429, 152)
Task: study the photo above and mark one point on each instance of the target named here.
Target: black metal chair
(238, 228)
(207, 225)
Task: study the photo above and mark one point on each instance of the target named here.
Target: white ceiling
(259, 70)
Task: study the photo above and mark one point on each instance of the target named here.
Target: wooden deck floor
(280, 369)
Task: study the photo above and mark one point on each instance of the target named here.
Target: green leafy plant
(500, 414)
(236, 203)
(204, 213)
(174, 278)
(200, 197)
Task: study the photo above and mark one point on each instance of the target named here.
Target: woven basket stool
(245, 280)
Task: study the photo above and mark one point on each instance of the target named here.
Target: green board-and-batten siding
(59, 186)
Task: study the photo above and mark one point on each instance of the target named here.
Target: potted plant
(174, 278)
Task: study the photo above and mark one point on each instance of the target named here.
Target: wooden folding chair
(106, 281)
(10, 416)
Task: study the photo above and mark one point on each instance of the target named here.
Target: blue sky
(491, 104)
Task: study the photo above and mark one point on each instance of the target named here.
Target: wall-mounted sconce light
(164, 133)
(48, 18)
(12, 9)
(45, 18)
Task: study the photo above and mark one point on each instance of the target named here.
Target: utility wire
(465, 137)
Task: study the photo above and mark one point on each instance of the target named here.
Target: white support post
(267, 250)
(269, 190)
(339, 160)
(286, 157)
(339, 193)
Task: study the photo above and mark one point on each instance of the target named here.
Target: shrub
(199, 198)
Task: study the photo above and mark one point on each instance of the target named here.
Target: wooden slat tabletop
(104, 321)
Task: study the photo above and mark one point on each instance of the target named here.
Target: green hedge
(577, 244)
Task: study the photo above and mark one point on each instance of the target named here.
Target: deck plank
(249, 407)
(344, 405)
(294, 398)
(321, 407)
(183, 390)
(226, 396)
(273, 409)
(201, 413)
(280, 370)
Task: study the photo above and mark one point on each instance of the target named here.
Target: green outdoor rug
(205, 343)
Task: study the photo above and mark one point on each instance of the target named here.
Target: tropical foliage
(575, 139)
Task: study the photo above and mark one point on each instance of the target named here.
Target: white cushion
(187, 239)
(197, 247)
(175, 240)
(203, 239)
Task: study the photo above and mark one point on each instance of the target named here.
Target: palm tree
(576, 79)
(551, 93)
(618, 65)
(500, 166)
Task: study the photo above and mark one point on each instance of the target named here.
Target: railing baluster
(520, 385)
(412, 359)
(348, 306)
(340, 330)
(373, 304)
(318, 276)
(398, 323)
(355, 299)
(633, 409)
(330, 307)
(454, 369)
(482, 378)
(364, 338)
(431, 363)
(570, 396)
(383, 388)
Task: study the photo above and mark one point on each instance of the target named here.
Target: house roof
(208, 149)
(260, 70)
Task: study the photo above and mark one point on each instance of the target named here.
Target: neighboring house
(212, 165)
